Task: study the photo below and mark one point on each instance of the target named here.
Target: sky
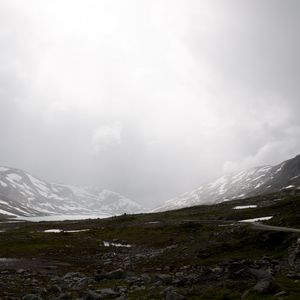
(148, 98)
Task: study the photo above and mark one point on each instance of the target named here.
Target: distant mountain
(255, 181)
(22, 194)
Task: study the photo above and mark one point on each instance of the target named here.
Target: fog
(148, 98)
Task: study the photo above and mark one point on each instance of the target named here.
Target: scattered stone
(107, 292)
(282, 293)
(71, 276)
(65, 296)
(91, 295)
(266, 286)
(172, 295)
(31, 297)
(117, 274)
(165, 278)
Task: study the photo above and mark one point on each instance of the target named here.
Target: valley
(200, 252)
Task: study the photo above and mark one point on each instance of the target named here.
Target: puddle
(63, 217)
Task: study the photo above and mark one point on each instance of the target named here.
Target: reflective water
(63, 217)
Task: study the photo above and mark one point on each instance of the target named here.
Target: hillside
(201, 252)
(22, 194)
(252, 182)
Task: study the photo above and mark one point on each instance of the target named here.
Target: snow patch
(54, 230)
(3, 212)
(108, 244)
(68, 231)
(79, 230)
(256, 219)
(3, 169)
(13, 177)
(245, 206)
(241, 196)
(3, 184)
(289, 187)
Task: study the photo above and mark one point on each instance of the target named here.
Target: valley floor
(201, 252)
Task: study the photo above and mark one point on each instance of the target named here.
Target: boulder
(266, 286)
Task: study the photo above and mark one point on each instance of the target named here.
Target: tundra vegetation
(200, 252)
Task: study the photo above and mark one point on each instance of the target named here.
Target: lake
(63, 217)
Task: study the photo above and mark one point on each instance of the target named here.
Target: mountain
(252, 182)
(22, 194)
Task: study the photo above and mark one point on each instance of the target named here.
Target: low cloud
(106, 136)
(148, 98)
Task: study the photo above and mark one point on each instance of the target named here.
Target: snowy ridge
(22, 194)
(255, 181)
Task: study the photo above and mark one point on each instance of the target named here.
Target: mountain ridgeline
(252, 182)
(22, 194)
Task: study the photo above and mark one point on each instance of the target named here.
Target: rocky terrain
(201, 252)
(22, 194)
(256, 181)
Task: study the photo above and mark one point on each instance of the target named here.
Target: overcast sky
(148, 98)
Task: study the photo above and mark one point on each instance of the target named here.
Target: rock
(282, 293)
(293, 275)
(107, 292)
(165, 278)
(293, 257)
(73, 276)
(65, 296)
(99, 275)
(266, 286)
(31, 297)
(117, 274)
(145, 278)
(54, 289)
(34, 282)
(91, 295)
(51, 267)
(172, 295)
(122, 289)
(138, 288)
(123, 297)
(261, 273)
(81, 283)
(245, 294)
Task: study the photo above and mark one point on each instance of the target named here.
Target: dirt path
(261, 226)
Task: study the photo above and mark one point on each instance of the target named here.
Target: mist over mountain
(252, 182)
(114, 109)
(148, 98)
(22, 194)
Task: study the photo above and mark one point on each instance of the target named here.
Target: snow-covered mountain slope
(25, 195)
(255, 181)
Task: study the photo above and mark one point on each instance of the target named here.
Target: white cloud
(271, 152)
(106, 136)
(195, 86)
